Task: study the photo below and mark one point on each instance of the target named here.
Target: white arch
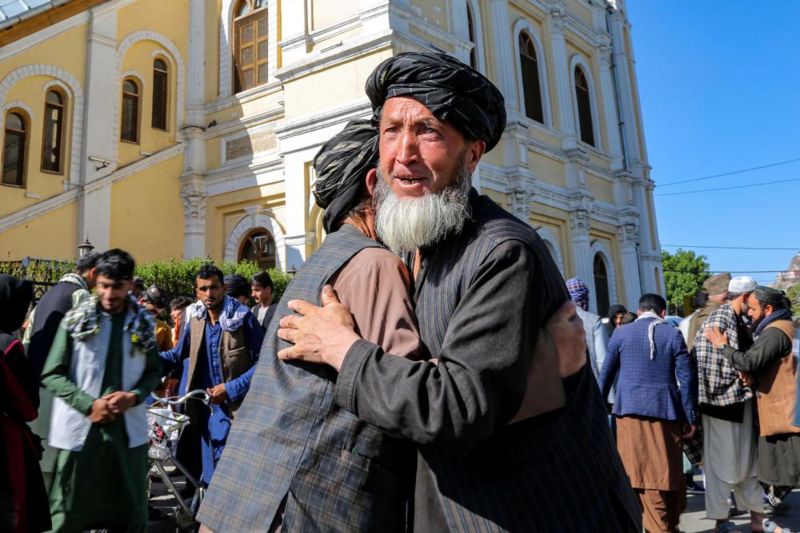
(578, 61)
(18, 104)
(74, 93)
(173, 55)
(526, 26)
(226, 45)
(549, 237)
(474, 7)
(251, 221)
(599, 247)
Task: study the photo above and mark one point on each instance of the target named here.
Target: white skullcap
(741, 284)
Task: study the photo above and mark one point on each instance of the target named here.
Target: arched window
(531, 87)
(53, 134)
(584, 102)
(160, 91)
(601, 285)
(16, 142)
(258, 246)
(130, 111)
(473, 54)
(250, 49)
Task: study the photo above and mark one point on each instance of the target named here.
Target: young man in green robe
(101, 368)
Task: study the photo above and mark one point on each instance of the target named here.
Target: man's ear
(475, 151)
(663, 313)
(371, 179)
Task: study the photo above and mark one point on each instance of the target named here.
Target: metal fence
(43, 273)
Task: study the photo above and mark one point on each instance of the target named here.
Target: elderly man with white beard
(294, 460)
(509, 437)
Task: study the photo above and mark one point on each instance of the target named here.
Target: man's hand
(567, 331)
(217, 393)
(746, 379)
(101, 412)
(716, 337)
(689, 431)
(322, 334)
(120, 401)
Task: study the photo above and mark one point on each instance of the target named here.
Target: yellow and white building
(185, 128)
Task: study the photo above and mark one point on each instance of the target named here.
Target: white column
(504, 54)
(610, 107)
(195, 75)
(99, 132)
(297, 206)
(627, 110)
(582, 264)
(192, 182)
(562, 77)
(295, 25)
(628, 235)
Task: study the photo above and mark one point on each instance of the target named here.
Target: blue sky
(720, 91)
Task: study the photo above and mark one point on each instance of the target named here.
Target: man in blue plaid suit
(510, 438)
(654, 406)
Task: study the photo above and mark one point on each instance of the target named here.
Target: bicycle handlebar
(197, 394)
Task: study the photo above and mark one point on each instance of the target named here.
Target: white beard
(405, 224)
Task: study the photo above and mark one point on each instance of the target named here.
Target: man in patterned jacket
(726, 405)
(505, 443)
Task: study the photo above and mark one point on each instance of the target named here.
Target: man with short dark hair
(262, 290)
(236, 286)
(504, 442)
(102, 366)
(655, 407)
(221, 341)
(42, 327)
(771, 364)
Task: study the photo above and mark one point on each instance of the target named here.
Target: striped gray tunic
(482, 297)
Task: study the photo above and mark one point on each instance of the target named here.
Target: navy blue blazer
(664, 387)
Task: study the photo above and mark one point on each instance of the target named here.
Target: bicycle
(165, 427)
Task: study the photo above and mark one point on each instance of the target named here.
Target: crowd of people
(719, 393)
(425, 370)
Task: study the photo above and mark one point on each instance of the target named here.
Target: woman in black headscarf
(23, 499)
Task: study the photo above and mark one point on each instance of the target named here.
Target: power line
(734, 271)
(730, 188)
(731, 173)
(730, 247)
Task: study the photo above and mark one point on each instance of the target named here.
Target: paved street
(693, 521)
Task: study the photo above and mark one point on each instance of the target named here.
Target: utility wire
(730, 247)
(731, 173)
(730, 188)
(734, 271)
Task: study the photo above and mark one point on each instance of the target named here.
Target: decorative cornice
(318, 61)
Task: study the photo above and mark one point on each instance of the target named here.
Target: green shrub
(177, 276)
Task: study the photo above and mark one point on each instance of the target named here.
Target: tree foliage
(793, 293)
(684, 274)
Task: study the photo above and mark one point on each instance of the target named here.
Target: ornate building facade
(186, 128)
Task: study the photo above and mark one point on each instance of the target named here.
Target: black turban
(451, 90)
(341, 165)
(769, 296)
